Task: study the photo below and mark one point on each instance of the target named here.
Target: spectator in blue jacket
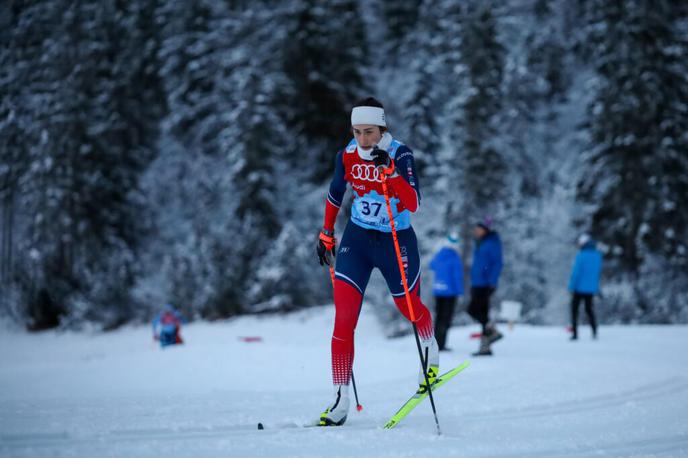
(447, 286)
(485, 271)
(585, 282)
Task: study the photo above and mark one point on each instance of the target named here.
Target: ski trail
(640, 447)
(64, 439)
(61, 439)
(649, 391)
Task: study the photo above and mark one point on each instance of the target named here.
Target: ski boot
(431, 353)
(335, 414)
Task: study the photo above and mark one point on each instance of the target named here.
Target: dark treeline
(172, 151)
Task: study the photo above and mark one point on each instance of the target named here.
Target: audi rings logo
(365, 172)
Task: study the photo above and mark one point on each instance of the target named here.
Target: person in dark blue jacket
(585, 282)
(447, 286)
(485, 271)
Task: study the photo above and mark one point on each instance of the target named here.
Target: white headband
(368, 115)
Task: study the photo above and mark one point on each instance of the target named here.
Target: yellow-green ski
(421, 394)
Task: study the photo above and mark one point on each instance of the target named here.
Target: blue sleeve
(406, 167)
(575, 273)
(338, 183)
(459, 275)
(495, 265)
(433, 263)
(156, 322)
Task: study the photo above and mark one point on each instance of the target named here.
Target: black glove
(326, 245)
(381, 158)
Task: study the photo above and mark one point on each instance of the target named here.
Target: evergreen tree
(170, 151)
(437, 77)
(400, 17)
(281, 278)
(473, 132)
(636, 180)
(637, 164)
(323, 62)
(80, 124)
(224, 122)
(484, 59)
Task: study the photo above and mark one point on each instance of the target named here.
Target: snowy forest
(169, 151)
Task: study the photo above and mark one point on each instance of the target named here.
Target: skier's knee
(345, 322)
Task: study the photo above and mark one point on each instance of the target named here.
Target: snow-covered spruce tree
(12, 165)
(18, 133)
(400, 18)
(636, 183)
(123, 113)
(281, 278)
(531, 88)
(223, 135)
(323, 62)
(483, 55)
(189, 184)
(262, 136)
(472, 132)
(81, 123)
(437, 76)
(24, 154)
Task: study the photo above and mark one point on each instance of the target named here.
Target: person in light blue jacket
(585, 282)
(447, 286)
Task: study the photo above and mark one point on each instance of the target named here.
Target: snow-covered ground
(118, 394)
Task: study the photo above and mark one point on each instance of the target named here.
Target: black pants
(575, 305)
(479, 307)
(444, 312)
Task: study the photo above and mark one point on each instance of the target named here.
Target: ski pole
(359, 407)
(407, 293)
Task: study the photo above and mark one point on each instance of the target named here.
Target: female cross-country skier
(367, 242)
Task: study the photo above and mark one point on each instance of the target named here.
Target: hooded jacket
(487, 261)
(587, 268)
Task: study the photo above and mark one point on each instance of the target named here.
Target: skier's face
(367, 135)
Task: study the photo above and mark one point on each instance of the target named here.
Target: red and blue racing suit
(367, 244)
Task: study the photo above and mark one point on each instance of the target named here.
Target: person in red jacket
(367, 242)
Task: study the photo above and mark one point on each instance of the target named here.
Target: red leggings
(347, 302)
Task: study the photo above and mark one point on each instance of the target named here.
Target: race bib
(370, 211)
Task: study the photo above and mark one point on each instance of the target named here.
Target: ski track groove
(644, 392)
(640, 447)
(666, 387)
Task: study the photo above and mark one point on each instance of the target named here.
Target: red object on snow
(569, 329)
(359, 407)
(251, 339)
(476, 335)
